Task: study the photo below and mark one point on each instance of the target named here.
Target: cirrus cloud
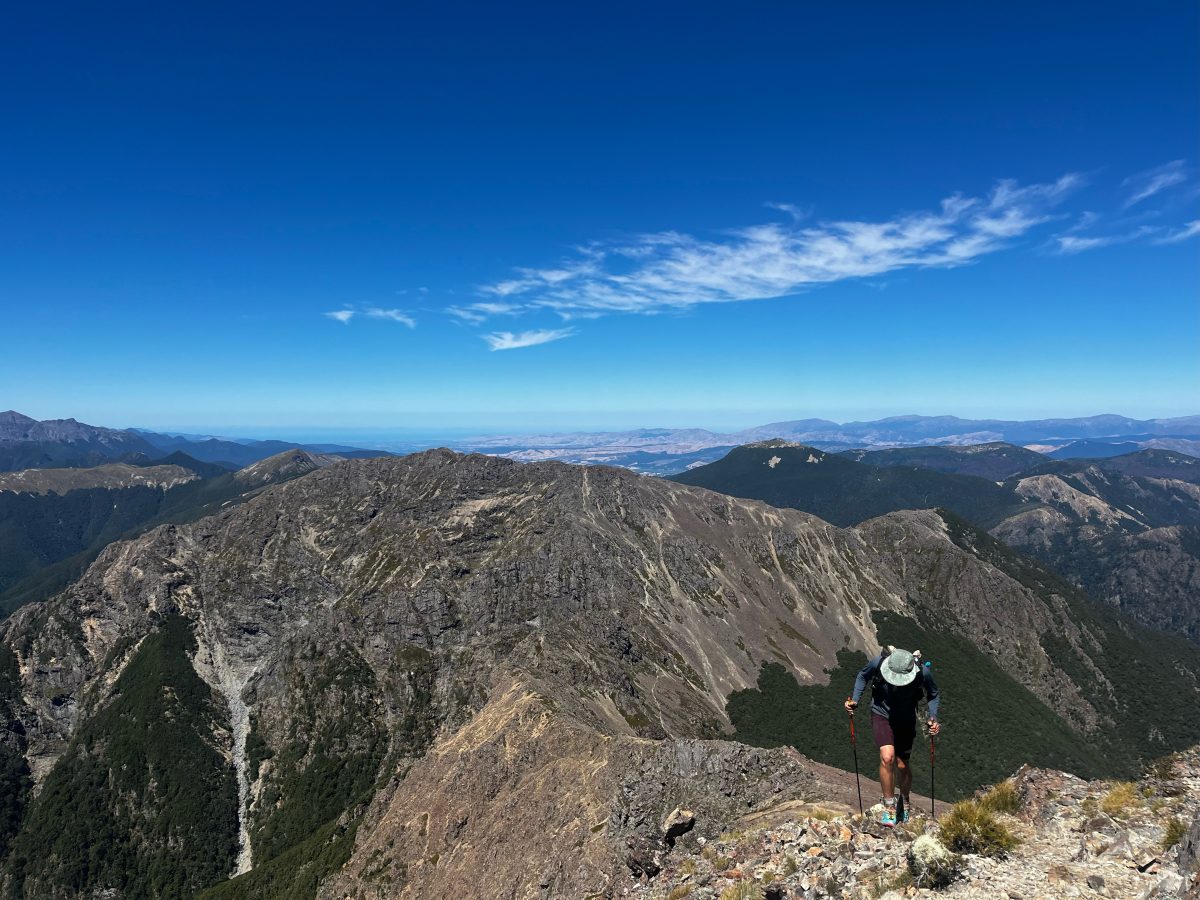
(1146, 184)
(672, 271)
(507, 340)
(372, 312)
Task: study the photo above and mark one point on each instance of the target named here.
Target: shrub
(679, 892)
(931, 864)
(1176, 829)
(1121, 799)
(970, 827)
(1002, 798)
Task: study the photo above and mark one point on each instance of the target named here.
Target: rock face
(1075, 839)
(1125, 530)
(445, 675)
(54, 521)
(112, 476)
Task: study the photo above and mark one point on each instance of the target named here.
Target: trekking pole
(854, 749)
(932, 800)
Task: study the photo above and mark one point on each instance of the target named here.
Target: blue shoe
(888, 817)
(904, 816)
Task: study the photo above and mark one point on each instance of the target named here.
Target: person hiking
(897, 682)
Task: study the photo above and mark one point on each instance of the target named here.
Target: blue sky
(597, 215)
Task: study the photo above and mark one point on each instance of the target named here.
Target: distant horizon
(375, 436)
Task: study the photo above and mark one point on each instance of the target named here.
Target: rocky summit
(446, 675)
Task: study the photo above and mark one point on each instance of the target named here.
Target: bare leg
(903, 777)
(887, 772)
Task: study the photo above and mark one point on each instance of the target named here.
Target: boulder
(678, 823)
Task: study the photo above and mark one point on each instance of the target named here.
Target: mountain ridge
(1125, 529)
(387, 643)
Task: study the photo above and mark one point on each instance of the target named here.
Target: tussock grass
(1002, 798)
(970, 827)
(1176, 829)
(1121, 800)
(679, 892)
(743, 890)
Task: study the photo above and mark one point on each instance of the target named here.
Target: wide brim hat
(899, 668)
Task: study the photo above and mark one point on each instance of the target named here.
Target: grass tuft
(1121, 800)
(1002, 798)
(743, 890)
(1176, 829)
(970, 827)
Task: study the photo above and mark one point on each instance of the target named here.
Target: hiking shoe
(904, 816)
(887, 818)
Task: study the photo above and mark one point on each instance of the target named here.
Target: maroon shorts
(898, 734)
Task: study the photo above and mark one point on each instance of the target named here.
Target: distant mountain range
(26, 443)
(665, 451)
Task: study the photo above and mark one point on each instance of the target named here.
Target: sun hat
(899, 668)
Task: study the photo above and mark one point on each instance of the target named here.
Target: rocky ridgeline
(1075, 838)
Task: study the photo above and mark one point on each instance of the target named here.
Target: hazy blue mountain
(675, 450)
(1087, 449)
(26, 443)
(237, 454)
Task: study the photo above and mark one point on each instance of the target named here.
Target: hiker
(897, 681)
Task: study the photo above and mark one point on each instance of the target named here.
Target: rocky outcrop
(111, 476)
(284, 466)
(523, 801)
(1074, 839)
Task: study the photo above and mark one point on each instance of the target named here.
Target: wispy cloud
(671, 271)
(371, 312)
(507, 340)
(391, 315)
(1175, 236)
(796, 212)
(1073, 243)
(475, 313)
(1146, 184)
